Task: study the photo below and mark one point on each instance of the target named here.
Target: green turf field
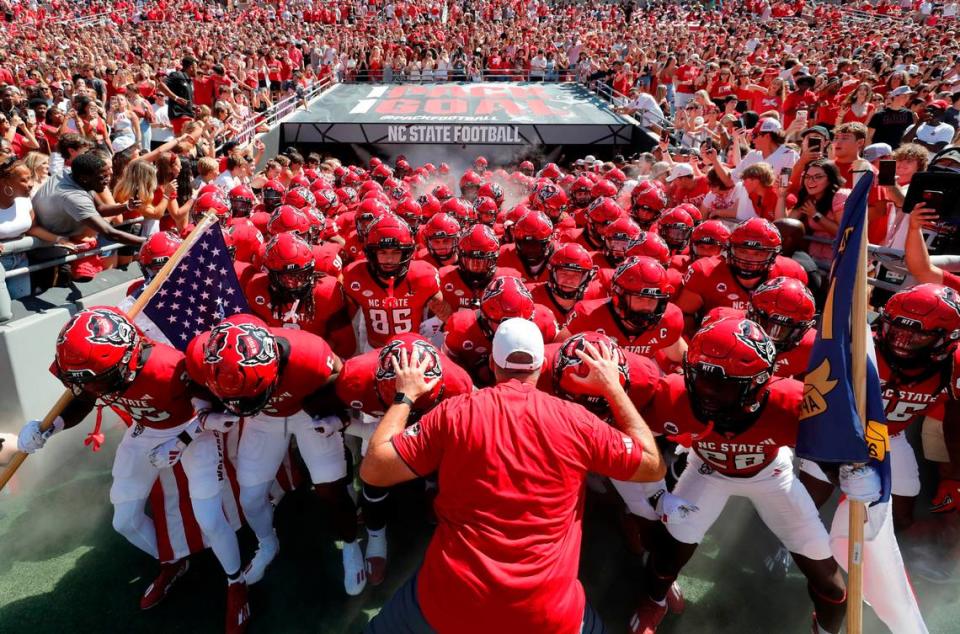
(64, 569)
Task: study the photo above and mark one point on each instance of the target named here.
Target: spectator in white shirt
(768, 141)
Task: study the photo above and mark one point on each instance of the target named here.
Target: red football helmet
(369, 187)
(550, 199)
(311, 175)
(784, 307)
(675, 227)
(754, 245)
(353, 179)
(247, 242)
(486, 209)
(339, 173)
(347, 195)
(617, 237)
(327, 201)
(290, 265)
(647, 202)
(693, 210)
(478, 249)
(412, 213)
(603, 189)
(551, 171)
(709, 238)
(570, 270)
(389, 246)
(492, 190)
(919, 326)
(318, 224)
(480, 164)
(287, 218)
(616, 176)
(375, 161)
(417, 349)
(526, 168)
(242, 200)
(398, 193)
(581, 192)
(368, 211)
(156, 251)
(601, 213)
(469, 184)
(651, 245)
(299, 181)
(300, 197)
(440, 235)
(209, 188)
(510, 217)
(403, 167)
(242, 359)
(460, 209)
(442, 192)
(504, 298)
(639, 292)
(212, 202)
(381, 173)
(98, 352)
(568, 366)
(726, 365)
(272, 193)
(430, 205)
(532, 234)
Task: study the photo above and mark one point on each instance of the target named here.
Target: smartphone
(664, 134)
(802, 116)
(785, 174)
(31, 117)
(888, 173)
(933, 199)
(814, 143)
(706, 145)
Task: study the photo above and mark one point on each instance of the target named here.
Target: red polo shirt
(512, 462)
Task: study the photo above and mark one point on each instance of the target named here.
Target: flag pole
(858, 372)
(148, 292)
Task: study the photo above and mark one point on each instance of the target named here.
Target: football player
(104, 359)
(638, 315)
(532, 237)
(616, 238)
(784, 308)
(570, 278)
(279, 382)
(292, 293)
(462, 285)
(601, 213)
(470, 332)
(366, 388)
(647, 202)
(739, 423)
(439, 236)
(917, 360)
(727, 280)
(389, 287)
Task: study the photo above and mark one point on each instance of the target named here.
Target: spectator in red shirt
(506, 549)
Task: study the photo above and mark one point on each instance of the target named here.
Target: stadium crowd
(698, 267)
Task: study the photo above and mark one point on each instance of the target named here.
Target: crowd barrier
(352, 76)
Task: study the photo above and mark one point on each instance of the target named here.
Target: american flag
(201, 291)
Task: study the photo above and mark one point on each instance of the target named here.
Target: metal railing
(353, 76)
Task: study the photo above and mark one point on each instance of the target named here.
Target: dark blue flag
(830, 428)
(201, 291)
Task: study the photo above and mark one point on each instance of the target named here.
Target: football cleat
(648, 616)
(157, 591)
(266, 553)
(354, 573)
(238, 609)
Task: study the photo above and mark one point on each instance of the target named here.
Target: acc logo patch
(260, 299)
(671, 428)
(468, 345)
(448, 286)
(355, 286)
(721, 287)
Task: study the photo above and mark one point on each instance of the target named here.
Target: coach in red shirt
(511, 462)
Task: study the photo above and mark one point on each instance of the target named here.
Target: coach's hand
(410, 375)
(603, 376)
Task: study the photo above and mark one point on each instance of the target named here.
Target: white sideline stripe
(363, 106)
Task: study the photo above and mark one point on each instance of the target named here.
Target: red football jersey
(468, 344)
(356, 385)
(458, 294)
(598, 315)
(792, 362)
(328, 318)
(352, 251)
(542, 295)
(715, 283)
(906, 402)
(509, 259)
(159, 396)
(642, 380)
(307, 367)
(260, 219)
(387, 311)
(741, 455)
(424, 255)
(327, 258)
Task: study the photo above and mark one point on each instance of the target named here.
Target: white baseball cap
(679, 170)
(517, 335)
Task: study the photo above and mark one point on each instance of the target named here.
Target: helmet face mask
(532, 251)
(727, 401)
(676, 235)
(248, 406)
(389, 247)
(786, 333)
(751, 262)
(442, 247)
(638, 310)
(295, 282)
(705, 248)
(907, 345)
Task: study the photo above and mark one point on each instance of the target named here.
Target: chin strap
(687, 439)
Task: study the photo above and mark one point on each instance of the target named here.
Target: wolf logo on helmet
(106, 327)
(751, 335)
(255, 345)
